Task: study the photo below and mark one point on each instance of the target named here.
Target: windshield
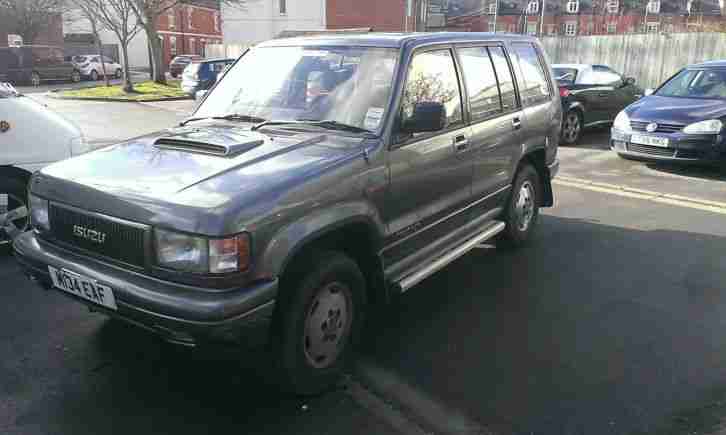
(565, 75)
(349, 85)
(696, 83)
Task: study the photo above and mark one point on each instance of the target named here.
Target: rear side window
(504, 76)
(432, 78)
(533, 86)
(481, 82)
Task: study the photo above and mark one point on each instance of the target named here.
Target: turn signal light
(564, 92)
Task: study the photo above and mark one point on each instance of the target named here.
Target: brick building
(188, 27)
(52, 34)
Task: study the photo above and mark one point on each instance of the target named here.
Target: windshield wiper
(327, 124)
(229, 117)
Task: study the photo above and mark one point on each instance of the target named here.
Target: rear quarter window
(534, 87)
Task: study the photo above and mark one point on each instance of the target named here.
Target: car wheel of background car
(35, 79)
(119, 73)
(173, 75)
(522, 210)
(94, 75)
(320, 313)
(13, 209)
(76, 76)
(571, 127)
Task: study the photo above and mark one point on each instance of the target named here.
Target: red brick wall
(382, 15)
(50, 35)
(201, 30)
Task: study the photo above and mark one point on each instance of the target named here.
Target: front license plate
(83, 287)
(649, 140)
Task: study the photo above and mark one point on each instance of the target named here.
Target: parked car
(680, 121)
(591, 95)
(282, 217)
(34, 64)
(177, 65)
(32, 136)
(202, 75)
(92, 68)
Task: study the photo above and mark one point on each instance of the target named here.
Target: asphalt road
(612, 322)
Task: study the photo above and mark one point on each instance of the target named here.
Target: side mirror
(200, 94)
(629, 81)
(426, 117)
(648, 91)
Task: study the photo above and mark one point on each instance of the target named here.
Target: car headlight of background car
(711, 126)
(39, 217)
(622, 121)
(196, 254)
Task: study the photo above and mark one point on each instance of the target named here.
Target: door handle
(461, 143)
(516, 123)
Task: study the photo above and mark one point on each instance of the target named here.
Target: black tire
(517, 233)
(15, 191)
(119, 73)
(35, 79)
(306, 295)
(75, 76)
(93, 76)
(571, 127)
(174, 75)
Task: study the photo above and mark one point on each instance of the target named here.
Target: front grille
(124, 242)
(662, 128)
(651, 150)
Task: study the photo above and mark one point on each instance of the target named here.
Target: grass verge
(143, 91)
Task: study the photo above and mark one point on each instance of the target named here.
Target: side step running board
(492, 229)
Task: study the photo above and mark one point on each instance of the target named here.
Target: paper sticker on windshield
(373, 118)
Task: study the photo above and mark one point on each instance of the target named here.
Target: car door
(430, 173)
(541, 115)
(495, 116)
(600, 94)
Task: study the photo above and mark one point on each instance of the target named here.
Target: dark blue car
(681, 121)
(201, 75)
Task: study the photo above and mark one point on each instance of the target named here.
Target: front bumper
(178, 313)
(681, 147)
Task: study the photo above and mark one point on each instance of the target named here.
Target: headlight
(712, 126)
(201, 255)
(39, 217)
(622, 121)
(79, 146)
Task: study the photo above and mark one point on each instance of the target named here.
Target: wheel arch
(15, 172)
(538, 159)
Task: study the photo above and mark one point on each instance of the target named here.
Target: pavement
(613, 321)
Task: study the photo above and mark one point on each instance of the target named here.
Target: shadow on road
(706, 172)
(593, 329)
(593, 138)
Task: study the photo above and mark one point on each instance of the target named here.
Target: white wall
(261, 19)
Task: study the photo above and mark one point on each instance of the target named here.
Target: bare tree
(28, 17)
(148, 13)
(118, 17)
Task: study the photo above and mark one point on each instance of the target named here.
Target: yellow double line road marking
(648, 195)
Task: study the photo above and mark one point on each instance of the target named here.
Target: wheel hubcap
(327, 325)
(571, 127)
(524, 207)
(13, 217)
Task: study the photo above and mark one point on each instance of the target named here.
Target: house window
(492, 8)
(612, 28)
(573, 6)
(172, 45)
(612, 6)
(171, 19)
(492, 26)
(532, 7)
(652, 27)
(283, 7)
(570, 29)
(532, 29)
(653, 6)
(190, 16)
(216, 21)
(192, 46)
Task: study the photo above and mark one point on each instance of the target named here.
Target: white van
(31, 136)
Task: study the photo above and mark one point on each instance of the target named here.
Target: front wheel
(14, 215)
(119, 73)
(522, 210)
(319, 315)
(571, 127)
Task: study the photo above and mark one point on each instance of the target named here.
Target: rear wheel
(571, 127)
(522, 210)
(320, 314)
(76, 76)
(14, 213)
(174, 75)
(119, 73)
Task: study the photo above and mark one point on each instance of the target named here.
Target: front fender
(292, 238)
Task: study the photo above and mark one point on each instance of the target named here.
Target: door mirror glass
(426, 117)
(648, 91)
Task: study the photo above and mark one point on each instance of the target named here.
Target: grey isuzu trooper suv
(321, 177)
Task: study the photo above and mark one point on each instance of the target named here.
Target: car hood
(171, 178)
(675, 110)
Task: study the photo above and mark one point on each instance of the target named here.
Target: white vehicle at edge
(91, 67)
(31, 137)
